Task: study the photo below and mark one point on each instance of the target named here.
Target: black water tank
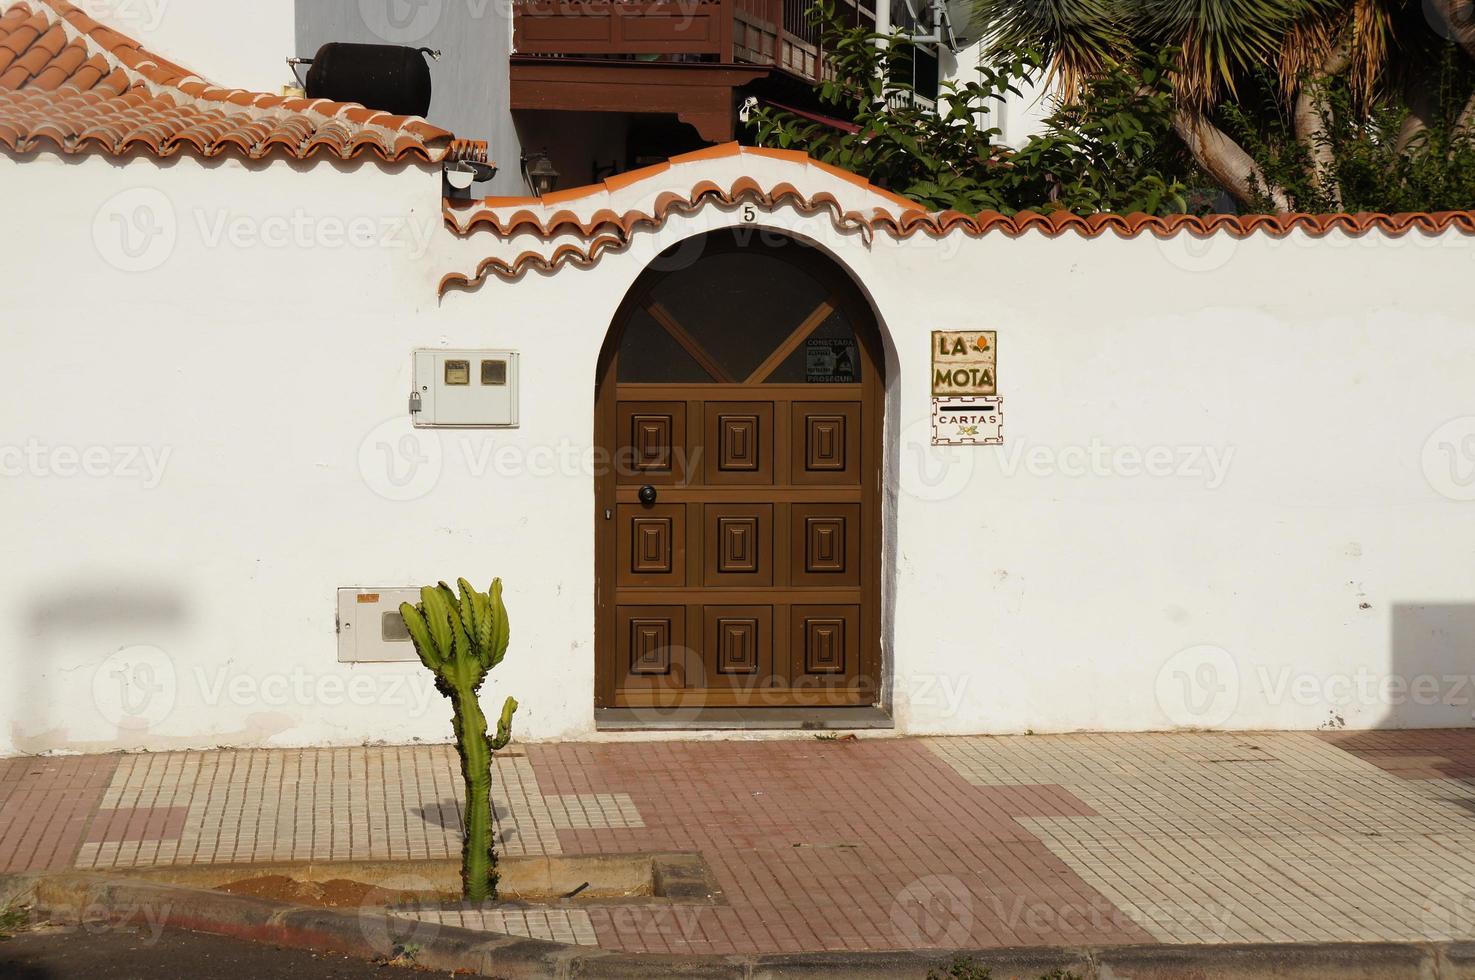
(380, 76)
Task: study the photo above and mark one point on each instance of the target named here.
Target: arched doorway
(738, 551)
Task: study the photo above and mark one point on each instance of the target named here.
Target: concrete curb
(94, 901)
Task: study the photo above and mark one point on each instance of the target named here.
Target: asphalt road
(125, 955)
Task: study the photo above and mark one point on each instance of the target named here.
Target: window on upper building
(922, 69)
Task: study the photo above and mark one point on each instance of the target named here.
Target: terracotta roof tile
(601, 228)
(71, 85)
(634, 176)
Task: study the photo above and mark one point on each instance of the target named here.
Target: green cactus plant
(460, 639)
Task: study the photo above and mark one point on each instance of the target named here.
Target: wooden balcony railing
(754, 32)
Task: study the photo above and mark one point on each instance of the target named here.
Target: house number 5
(748, 213)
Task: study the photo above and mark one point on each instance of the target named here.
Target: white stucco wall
(237, 47)
(262, 368)
(1235, 489)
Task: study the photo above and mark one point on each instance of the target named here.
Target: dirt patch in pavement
(643, 878)
(335, 893)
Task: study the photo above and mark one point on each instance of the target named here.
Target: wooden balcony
(770, 33)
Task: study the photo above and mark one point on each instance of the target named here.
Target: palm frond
(1372, 44)
(1362, 29)
(1221, 39)
(1076, 37)
(1305, 47)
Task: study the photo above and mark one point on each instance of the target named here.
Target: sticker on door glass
(968, 421)
(831, 361)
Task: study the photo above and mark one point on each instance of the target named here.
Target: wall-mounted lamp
(539, 172)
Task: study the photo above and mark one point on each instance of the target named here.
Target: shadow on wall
(91, 672)
(1432, 682)
(109, 608)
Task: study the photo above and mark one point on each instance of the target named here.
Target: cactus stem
(478, 856)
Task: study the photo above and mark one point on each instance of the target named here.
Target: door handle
(647, 495)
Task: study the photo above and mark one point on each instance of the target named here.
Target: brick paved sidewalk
(867, 844)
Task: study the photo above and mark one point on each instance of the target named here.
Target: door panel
(826, 443)
(824, 541)
(825, 641)
(738, 448)
(738, 641)
(652, 648)
(738, 546)
(651, 446)
(652, 545)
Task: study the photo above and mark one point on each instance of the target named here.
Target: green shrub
(1112, 150)
(1370, 163)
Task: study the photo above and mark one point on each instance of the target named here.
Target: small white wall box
(465, 388)
(370, 628)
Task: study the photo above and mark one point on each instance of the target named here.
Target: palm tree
(1380, 50)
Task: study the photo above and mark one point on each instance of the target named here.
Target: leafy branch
(1110, 150)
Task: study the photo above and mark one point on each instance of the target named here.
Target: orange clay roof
(589, 226)
(71, 85)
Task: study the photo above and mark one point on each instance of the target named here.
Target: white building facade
(1234, 488)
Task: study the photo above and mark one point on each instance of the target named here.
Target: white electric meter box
(467, 388)
(370, 628)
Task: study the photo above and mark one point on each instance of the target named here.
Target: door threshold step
(740, 719)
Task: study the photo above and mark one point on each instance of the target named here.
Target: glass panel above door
(828, 356)
(648, 353)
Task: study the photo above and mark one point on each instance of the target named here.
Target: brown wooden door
(743, 392)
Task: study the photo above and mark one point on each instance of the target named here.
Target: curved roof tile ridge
(70, 84)
(603, 227)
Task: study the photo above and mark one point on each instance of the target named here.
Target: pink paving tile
(1434, 753)
(140, 823)
(855, 845)
(46, 804)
